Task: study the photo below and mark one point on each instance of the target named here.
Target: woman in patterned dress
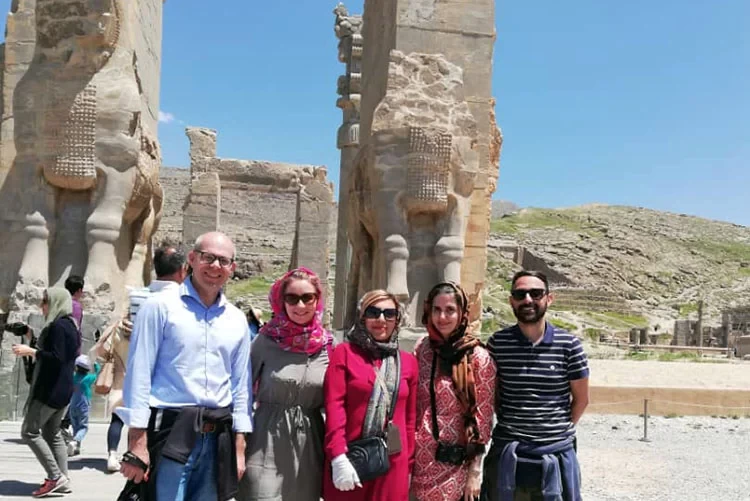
(455, 401)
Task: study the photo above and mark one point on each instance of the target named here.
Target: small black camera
(17, 328)
(451, 454)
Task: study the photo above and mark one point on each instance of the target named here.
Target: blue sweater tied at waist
(561, 474)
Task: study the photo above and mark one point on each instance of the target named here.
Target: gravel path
(688, 458)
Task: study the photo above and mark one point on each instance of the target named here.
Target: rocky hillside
(661, 263)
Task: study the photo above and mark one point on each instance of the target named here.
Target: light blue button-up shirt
(183, 353)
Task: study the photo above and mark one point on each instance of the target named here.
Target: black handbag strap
(394, 397)
(433, 407)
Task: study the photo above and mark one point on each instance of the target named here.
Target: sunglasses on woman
(294, 299)
(375, 312)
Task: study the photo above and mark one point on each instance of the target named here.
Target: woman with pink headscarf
(289, 359)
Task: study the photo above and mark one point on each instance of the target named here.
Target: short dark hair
(530, 273)
(168, 259)
(73, 284)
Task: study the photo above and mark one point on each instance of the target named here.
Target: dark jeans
(114, 432)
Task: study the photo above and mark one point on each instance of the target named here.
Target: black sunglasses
(520, 294)
(375, 312)
(293, 299)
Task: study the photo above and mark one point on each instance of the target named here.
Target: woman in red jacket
(361, 379)
(455, 400)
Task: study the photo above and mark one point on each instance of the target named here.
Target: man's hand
(239, 442)
(138, 446)
(23, 350)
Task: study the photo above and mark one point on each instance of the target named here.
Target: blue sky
(640, 103)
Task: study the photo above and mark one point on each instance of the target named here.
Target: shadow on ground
(90, 463)
(16, 488)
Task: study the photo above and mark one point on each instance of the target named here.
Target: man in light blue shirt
(189, 355)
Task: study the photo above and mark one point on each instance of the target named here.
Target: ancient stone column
(348, 31)
(314, 208)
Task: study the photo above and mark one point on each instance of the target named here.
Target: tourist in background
(362, 379)
(74, 285)
(455, 400)
(289, 361)
(83, 381)
(543, 389)
(51, 388)
(254, 321)
(169, 265)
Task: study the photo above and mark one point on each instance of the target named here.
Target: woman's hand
(23, 350)
(473, 485)
(345, 477)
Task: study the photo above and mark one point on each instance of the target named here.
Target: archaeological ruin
(79, 189)
(277, 214)
(418, 191)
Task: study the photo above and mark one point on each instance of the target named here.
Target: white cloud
(165, 117)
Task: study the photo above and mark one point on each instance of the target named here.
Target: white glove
(345, 477)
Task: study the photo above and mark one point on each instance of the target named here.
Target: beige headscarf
(60, 304)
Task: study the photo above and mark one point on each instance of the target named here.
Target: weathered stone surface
(259, 204)
(348, 30)
(413, 179)
(85, 110)
(203, 206)
(314, 213)
(463, 33)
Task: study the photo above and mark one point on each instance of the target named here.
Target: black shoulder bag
(369, 456)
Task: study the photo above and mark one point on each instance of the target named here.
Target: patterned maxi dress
(433, 480)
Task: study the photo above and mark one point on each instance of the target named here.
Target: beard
(530, 313)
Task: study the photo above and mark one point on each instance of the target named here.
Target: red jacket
(348, 385)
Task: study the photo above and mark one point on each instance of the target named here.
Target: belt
(208, 428)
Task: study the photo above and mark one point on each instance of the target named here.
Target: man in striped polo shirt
(542, 391)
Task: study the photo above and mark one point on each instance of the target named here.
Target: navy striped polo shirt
(533, 385)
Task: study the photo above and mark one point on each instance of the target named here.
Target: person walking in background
(51, 389)
(543, 390)
(169, 265)
(455, 400)
(74, 285)
(186, 397)
(289, 361)
(254, 321)
(83, 381)
(362, 380)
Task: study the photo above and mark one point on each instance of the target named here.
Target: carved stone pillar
(348, 30)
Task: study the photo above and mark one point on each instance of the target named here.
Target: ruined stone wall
(258, 204)
(176, 184)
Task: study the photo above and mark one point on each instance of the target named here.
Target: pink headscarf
(310, 338)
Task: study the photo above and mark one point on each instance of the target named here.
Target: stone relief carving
(409, 196)
(83, 189)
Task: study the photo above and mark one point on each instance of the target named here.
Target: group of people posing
(289, 414)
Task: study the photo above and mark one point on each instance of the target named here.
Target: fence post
(645, 421)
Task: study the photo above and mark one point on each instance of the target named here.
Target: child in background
(83, 381)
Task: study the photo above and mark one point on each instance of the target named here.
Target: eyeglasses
(294, 299)
(520, 294)
(208, 258)
(375, 312)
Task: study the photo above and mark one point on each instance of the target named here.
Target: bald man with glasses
(186, 394)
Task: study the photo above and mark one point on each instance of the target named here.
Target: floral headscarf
(290, 336)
